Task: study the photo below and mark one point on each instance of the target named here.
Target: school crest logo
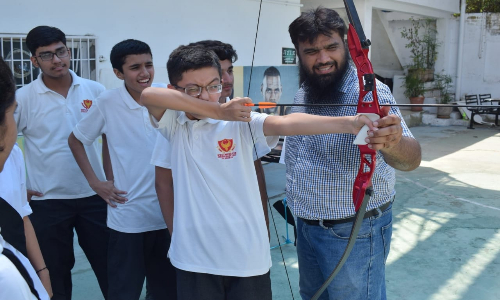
(226, 146)
(86, 105)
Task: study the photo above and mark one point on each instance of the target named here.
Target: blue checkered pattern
(321, 169)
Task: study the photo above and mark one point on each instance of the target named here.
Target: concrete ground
(446, 234)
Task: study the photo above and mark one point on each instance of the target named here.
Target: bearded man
(321, 169)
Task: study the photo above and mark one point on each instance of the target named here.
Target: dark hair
(186, 58)
(42, 36)
(271, 71)
(222, 50)
(314, 22)
(124, 48)
(7, 94)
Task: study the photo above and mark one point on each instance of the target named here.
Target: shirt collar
(41, 88)
(182, 119)
(127, 98)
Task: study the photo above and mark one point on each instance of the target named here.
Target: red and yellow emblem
(226, 146)
(86, 105)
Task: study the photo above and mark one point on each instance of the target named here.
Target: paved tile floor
(446, 238)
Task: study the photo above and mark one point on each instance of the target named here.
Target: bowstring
(257, 156)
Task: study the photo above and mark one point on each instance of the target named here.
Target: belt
(330, 223)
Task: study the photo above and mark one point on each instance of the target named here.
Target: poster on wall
(277, 84)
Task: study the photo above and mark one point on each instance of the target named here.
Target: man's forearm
(405, 156)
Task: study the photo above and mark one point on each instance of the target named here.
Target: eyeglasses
(46, 56)
(195, 90)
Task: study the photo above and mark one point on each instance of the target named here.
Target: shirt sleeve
(161, 153)
(256, 135)
(167, 124)
(91, 126)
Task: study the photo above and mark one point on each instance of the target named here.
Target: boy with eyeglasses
(161, 159)
(139, 239)
(220, 246)
(62, 200)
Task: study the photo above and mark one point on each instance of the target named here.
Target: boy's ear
(118, 74)
(34, 62)
(169, 86)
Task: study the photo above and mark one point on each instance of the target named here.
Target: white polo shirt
(46, 119)
(219, 225)
(13, 182)
(131, 139)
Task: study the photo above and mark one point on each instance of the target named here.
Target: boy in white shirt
(161, 159)
(139, 239)
(220, 246)
(63, 202)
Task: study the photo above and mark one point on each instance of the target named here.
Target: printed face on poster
(272, 84)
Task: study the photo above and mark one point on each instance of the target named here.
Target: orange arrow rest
(262, 104)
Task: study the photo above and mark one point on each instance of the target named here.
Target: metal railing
(14, 51)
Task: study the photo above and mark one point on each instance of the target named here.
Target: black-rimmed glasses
(195, 90)
(46, 56)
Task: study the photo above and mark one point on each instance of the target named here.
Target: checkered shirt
(321, 169)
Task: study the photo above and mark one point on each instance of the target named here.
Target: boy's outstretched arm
(306, 124)
(105, 189)
(158, 100)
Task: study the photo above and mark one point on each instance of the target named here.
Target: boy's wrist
(93, 183)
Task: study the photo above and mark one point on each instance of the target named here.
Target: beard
(323, 88)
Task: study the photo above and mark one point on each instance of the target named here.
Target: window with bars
(16, 54)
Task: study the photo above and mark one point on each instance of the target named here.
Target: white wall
(481, 63)
(164, 25)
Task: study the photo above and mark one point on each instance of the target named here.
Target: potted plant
(414, 90)
(442, 84)
(423, 45)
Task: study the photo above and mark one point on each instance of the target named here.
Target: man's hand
(32, 193)
(108, 192)
(235, 110)
(387, 136)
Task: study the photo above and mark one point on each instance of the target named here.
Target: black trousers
(54, 221)
(135, 256)
(201, 286)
